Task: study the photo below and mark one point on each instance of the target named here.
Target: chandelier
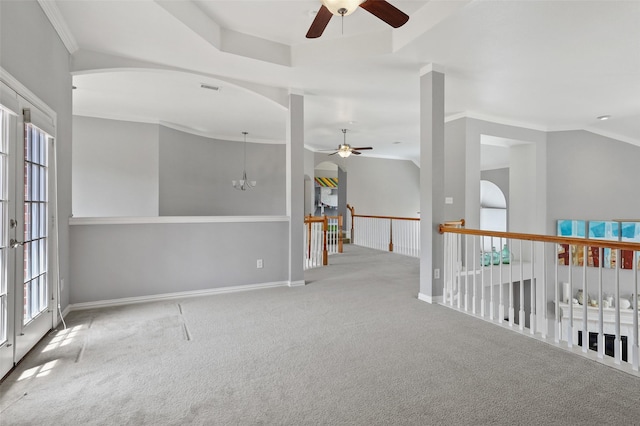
(244, 183)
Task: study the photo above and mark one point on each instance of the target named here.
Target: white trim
(297, 283)
(432, 68)
(209, 135)
(52, 11)
(430, 299)
(612, 135)
(170, 296)
(173, 219)
(496, 120)
(26, 94)
(179, 128)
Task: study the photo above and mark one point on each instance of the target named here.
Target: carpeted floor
(353, 347)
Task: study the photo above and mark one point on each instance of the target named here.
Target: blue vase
(495, 256)
(506, 255)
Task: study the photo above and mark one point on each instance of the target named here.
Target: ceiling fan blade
(355, 152)
(386, 11)
(333, 153)
(363, 148)
(319, 23)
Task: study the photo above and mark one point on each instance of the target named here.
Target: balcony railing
(322, 237)
(396, 234)
(533, 287)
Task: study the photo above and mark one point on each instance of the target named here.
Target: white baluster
(458, 269)
(473, 298)
(585, 303)
(482, 291)
(521, 313)
(512, 312)
(544, 291)
(466, 276)
(557, 328)
(618, 342)
(491, 306)
(532, 315)
(570, 327)
(501, 303)
(634, 301)
(600, 307)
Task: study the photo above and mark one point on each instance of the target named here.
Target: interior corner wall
(32, 52)
(310, 194)
(196, 174)
(115, 168)
(591, 177)
(455, 172)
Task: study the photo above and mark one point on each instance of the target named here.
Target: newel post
(339, 233)
(353, 213)
(390, 234)
(325, 253)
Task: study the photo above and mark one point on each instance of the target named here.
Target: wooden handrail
(454, 223)
(312, 219)
(386, 217)
(542, 238)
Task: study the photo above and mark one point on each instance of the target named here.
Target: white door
(26, 297)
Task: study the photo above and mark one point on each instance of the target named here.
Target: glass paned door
(33, 312)
(25, 292)
(35, 235)
(8, 127)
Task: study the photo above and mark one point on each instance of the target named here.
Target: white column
(295, 187)
(431, 181)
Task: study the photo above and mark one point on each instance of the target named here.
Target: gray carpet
(354, 347)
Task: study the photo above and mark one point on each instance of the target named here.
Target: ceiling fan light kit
(379, 8)
(342, 7)
(345, 150)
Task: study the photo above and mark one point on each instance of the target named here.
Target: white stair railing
(322, 237)
(528, 288)
(389, 233)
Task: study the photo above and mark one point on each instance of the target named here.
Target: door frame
(16, 97)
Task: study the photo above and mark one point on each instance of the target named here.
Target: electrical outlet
(259, 264)
(436, 273)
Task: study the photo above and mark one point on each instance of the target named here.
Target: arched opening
(326, 189)
(493, 213)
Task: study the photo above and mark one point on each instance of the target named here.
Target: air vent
(208, 86)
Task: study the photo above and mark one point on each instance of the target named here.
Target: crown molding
(54, 15)
(496, 120)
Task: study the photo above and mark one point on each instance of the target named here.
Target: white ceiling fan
(345, 150)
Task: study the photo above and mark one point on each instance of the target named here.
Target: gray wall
(119, 261)
(31, 51)
(378, 186)
(591, 177)
(115, 168)
(196, 174)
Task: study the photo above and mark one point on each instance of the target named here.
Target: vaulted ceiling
(548, 65)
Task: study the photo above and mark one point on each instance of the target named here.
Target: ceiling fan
(345, 150)
(380, 8)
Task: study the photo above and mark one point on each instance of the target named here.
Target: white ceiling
(549, 65)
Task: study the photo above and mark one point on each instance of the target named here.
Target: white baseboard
(297, 283)
(430, 299)
(169, 296)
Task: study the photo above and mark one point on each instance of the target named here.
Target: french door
(26, 296)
